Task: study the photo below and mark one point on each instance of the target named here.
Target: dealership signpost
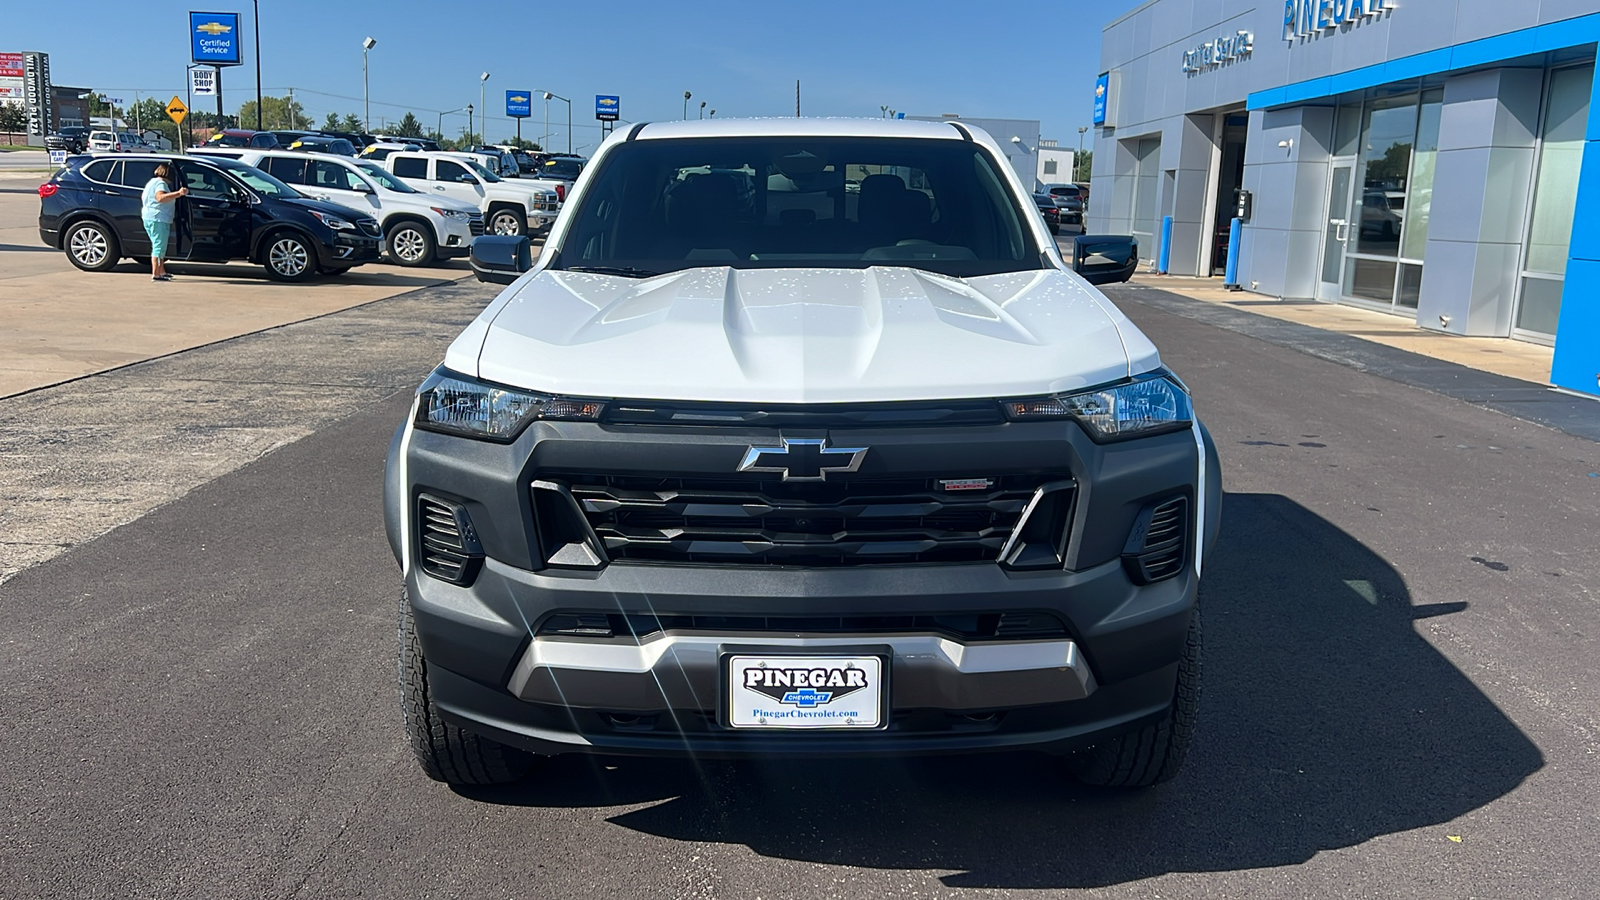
(213, 41)
(519, 106)
(607, 108)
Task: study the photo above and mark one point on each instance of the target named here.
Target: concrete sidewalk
(58, 323)
(1502, 356)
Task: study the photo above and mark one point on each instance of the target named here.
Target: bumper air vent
(447, 545)
(1158, 546)
(588, 520)
(475, 224)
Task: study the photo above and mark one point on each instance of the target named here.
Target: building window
(1397, 145)
(1555, 199)
(1049, 167)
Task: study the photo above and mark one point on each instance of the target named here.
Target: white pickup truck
(509, 207)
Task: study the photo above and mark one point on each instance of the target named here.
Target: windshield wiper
(623, 271)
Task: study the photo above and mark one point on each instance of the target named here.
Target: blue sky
(1023, 59)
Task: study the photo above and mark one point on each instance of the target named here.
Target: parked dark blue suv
(91, 209)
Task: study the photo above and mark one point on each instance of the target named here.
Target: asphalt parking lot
(1401, 695)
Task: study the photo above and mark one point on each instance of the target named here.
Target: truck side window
(449, 171)
(410, 167)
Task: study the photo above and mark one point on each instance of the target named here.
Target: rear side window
(410, 167)
(449, 171)
(288, 171)
(136, 173)
(263, 140)
(101, 170)
(334, 176)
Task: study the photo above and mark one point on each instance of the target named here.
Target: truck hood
(801, 335)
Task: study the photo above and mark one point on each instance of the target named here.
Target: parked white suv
(105, 142)
(509, 207)
(418, 227)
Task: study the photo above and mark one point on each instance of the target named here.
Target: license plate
(383, 246)
(798, 692)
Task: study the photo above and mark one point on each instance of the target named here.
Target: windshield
(664, 205)
(566, 169)
(483, 173)
(230, 140)
(381, 175)
(259, 181)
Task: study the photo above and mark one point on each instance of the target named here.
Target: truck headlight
(455, 404)
(1149, 404)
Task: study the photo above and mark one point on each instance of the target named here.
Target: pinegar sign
(1304, 18)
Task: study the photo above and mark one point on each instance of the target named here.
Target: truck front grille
(763, 522)
(475, 224)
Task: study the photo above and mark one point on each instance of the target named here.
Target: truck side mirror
(1103, 258)
(501, 259)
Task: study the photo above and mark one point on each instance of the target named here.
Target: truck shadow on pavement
(1326, 720)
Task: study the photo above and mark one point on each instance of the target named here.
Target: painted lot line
(79, 459)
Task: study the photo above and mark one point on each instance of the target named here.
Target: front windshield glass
(259, 181)
(665, 205)
(483, 173)
(381, 175)
(230, 140)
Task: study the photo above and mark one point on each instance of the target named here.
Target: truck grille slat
(851, 521)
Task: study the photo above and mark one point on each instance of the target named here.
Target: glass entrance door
(1337, 228)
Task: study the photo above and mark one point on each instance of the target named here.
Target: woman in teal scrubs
(158, 207)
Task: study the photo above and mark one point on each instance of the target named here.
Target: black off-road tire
(445, 752)
(1153, 754)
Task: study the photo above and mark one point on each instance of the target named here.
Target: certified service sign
(1102, 87)
(214, 38)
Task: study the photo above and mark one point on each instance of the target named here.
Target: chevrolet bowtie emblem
(214, 28)
(803, 459)
(519, 99)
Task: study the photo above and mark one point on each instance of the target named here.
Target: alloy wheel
(288, 257)
(89, 246)
(409, 244)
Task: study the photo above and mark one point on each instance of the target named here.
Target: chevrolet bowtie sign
(214, 38)
(519, 104)
(607, 107)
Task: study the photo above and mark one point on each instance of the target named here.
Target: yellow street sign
(176, 111)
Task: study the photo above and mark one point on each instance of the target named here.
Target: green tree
(276, 113)
(523, 144)
(150, 115)
(1084, 166)
(351, 122)
(408, 127)
(13, 117)
(331, 123)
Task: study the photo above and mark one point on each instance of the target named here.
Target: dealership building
(1434, 159)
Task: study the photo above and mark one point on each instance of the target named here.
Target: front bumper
(661, 694)
(347, 249)
(493, 670)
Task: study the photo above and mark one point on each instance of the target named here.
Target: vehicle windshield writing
(664, 205)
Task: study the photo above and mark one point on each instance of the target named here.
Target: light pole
(1077, 174)
(686, 96)
(702, 109)
(884, 110)
(366, 96)
(469, 122)
(713, 114)
(256, 4)
(547, 98)
(439, 127)
(483, 111)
